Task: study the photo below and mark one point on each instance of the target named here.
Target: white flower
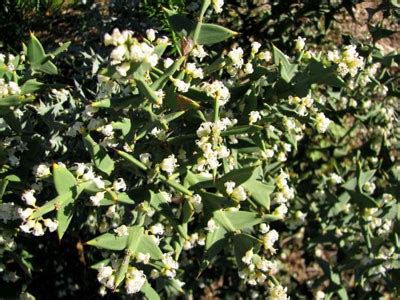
(27, 226)
(168, 62)
(254, 116)
(217, 5)
(121, 230)
(117, 55)
(123, 69)
(134, 281)
(319, 295)
(151, 34)
(170, 265)
(248, 68)
(335, 178)
(281, 211)
(38, 229)
(169, 164)
(193, 71)
(265, 55)
(278, 292)
(322, 122)
(211, 225)
(98, 181)
(180, 85)
(104, 272)
(229, 186)
(217, 90)
(239, 194)
(152, 59)
(26, 213)
(264, 228)
(80, 169)
(119, 185)
(41, 170)
(248, 257)
(97, 198)
(300, 42)
(255, 46)
(157, 229)
(145, 158)
(143, 258)
(199, 52)
(28, 197)
(13, 88)
(197, 203)
(50, 224)
(236, 55)
(107, 130)
(269, 239)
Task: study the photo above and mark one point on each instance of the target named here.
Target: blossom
(322, 122)
(25, 213)
(168, 62)
(119, 185)
(265, 56)
(151, 34)
(180, 85)
(269, 240)
(134, 280)
(50, 224)
(199, 52)
(236, 56)
(121, 230)
(41, 170)
(278, 292)
(248, 68)
(169, 164)
(197, 203)
(248, 257)
(157, 229)
(145, 158)
(300, 42)
(217, 90)
(97, 198)
(28, 197)
(255, 46)
(143, 258)
(170, 265)
(254, 116)
(217, 5)
(104, 272)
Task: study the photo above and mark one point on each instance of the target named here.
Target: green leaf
(362, 200)
(149, 292)
(101, 160)
(160, 82)
(30, 86)
(50, 205)
(212, 34)
(180, 23)
(287, 70)
(364, 177)
(35, 51)
(146, 90)
(11, 100)
(123, 268)
(232, 221)
(64, 181)
(65, 212)
(242, 243)
(109, 241)
(147, 245)
(215, 242)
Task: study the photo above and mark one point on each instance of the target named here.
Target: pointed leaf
(64, 181)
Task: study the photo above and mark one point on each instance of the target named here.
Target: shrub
(182, 170)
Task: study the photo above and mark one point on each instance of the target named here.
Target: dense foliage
(193, 160)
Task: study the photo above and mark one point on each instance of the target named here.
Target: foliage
(177, 163)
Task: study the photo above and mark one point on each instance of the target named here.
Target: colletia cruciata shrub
(176, 163)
